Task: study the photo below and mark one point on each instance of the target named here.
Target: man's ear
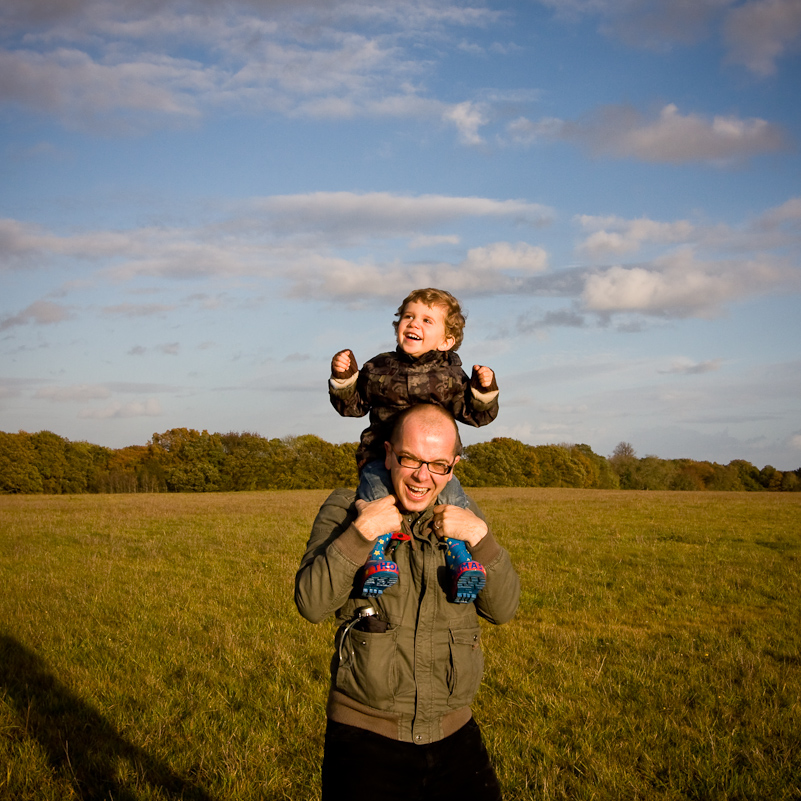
(448, 343)
(457, 459)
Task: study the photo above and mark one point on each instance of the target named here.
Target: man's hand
(458, 524)
(485, 375)
(377, 517)
(343, 365)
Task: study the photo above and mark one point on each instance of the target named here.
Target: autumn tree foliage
(653, 473)
(178, 460)
(505, 462)
(18, 471)
(186, 460)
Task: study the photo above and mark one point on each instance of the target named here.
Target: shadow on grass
(77, 740)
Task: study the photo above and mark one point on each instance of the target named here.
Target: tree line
(186, 460)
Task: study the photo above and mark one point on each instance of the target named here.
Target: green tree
(790, 482)
(600, 472)
(84, 464)
(725, 479)
(748, 475)
(191, 461)
(245, 453)
(18, 471)
(651, 473)
(121, 470)
(50, 460)
(770, 478)
(623, 461)
(317, 464)
(560, 468)
(502, 462)
(693, 475)
(592, 470)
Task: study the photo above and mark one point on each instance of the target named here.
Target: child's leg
(380, 573)
(374, 482)
(453, 494)
(468, 575)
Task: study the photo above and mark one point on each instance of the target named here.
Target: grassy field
(150, 648)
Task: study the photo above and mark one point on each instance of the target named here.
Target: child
(424, 368)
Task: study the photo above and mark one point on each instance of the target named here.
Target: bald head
(429, 420)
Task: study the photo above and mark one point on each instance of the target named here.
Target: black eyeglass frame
(416, 464)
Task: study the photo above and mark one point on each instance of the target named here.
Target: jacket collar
(429, 357)
(418, 524)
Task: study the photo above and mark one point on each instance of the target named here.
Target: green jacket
(415, 681)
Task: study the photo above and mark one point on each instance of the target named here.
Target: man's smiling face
(425, 440)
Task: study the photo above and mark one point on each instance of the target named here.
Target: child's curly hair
(454, 319)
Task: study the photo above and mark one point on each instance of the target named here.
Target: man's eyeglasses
(438, 468)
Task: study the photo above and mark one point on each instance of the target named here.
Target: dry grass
(150, 648)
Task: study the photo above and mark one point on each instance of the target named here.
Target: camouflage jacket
(391, 382)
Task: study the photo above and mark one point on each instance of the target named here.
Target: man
(399, 718)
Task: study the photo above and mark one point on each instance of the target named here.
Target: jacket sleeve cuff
(487, 549)
(486, 398)
(342, 384)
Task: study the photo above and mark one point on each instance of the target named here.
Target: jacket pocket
(466, 665)
(368, 672)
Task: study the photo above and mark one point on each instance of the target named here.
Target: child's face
(421, 328)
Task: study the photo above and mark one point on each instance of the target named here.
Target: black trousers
(359, 765)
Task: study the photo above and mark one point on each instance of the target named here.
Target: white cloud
(148, 408)
(303, 244)
(274, 237)
(522, 431)
(614, 236)
(344, 215)
(104, 65)
(41, 312)
(681, 285)
(611, 236)
(497, 268)
(523, 131)
(468, 117)
(659, 25)
(685, 366)
(757, 33)
(338, 79)
(137, 309)
(673, 138)
(425, 241)
(670, 138)
(760, 32)
(18, 241)
(75, 87)
(78, 392)
(505, 257)
(788, 212)
(539, 324)
(245, 21)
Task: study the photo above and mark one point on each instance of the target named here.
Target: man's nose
(419, 474)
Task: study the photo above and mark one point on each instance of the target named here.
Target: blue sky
(201, 202)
